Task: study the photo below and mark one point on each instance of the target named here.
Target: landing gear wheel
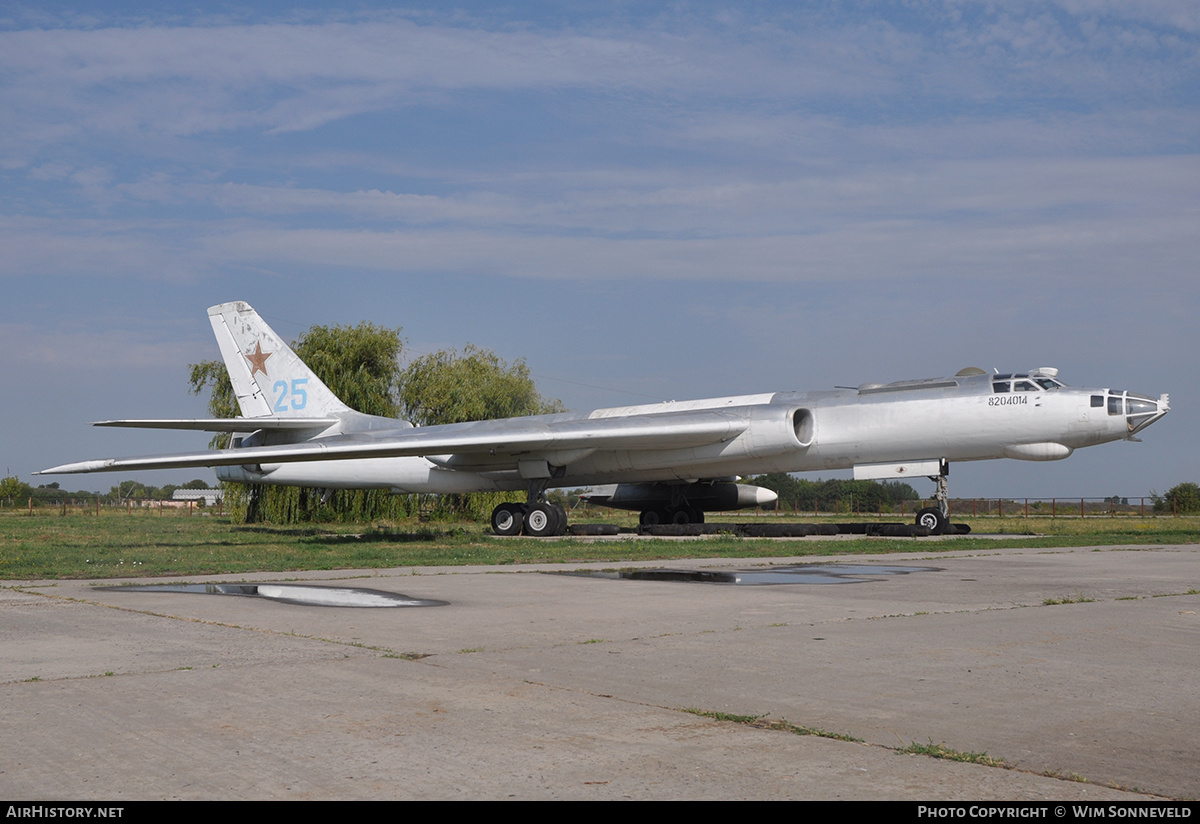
(932, 518)
(654, 517)
(686, 515)
(507, 519)
(542, 521)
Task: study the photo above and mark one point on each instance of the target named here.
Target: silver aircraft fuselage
(879, 431)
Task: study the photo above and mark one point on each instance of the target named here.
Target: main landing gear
(538, 519)
(937, 518)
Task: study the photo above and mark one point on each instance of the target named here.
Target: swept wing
(526, 437)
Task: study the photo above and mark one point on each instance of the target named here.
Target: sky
(643, 201)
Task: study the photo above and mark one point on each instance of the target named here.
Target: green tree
(222, 402)
(1181, 499)
(213, 375)
(13, 490)
(474, 385)
(360, 364)
(126, 490)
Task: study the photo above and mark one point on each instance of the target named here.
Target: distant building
(210, 496)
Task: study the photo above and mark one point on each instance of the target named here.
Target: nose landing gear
(932, 519)
(937, 518)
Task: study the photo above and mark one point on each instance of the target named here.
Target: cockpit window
(1022, 382)
(1137, 406)
(1115, 404)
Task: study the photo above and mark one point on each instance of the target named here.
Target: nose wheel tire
(932, 518)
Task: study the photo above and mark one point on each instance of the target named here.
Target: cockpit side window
(1116, 405)
(1021, 382)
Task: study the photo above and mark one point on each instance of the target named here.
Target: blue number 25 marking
(298, 395)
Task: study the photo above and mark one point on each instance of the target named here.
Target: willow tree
(475, 384)
(472, 385)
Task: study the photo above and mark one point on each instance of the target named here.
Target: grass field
(47, 544)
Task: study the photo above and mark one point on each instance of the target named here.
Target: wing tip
(73, 468)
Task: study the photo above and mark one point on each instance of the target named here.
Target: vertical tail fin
(268, 378)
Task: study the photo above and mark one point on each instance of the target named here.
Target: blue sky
(676, 201)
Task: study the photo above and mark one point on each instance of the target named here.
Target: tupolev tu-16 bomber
(670, 461)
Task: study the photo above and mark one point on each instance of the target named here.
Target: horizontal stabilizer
(225, 424)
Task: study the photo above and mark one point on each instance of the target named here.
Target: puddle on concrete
(801, 574)
(291, 594)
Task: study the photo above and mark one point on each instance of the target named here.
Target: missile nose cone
(748, 496)
(765, 496)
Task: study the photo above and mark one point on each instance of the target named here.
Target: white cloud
(1026, 219)
(34, 347)
(189, 80)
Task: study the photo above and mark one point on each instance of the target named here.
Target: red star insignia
(258, 360)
